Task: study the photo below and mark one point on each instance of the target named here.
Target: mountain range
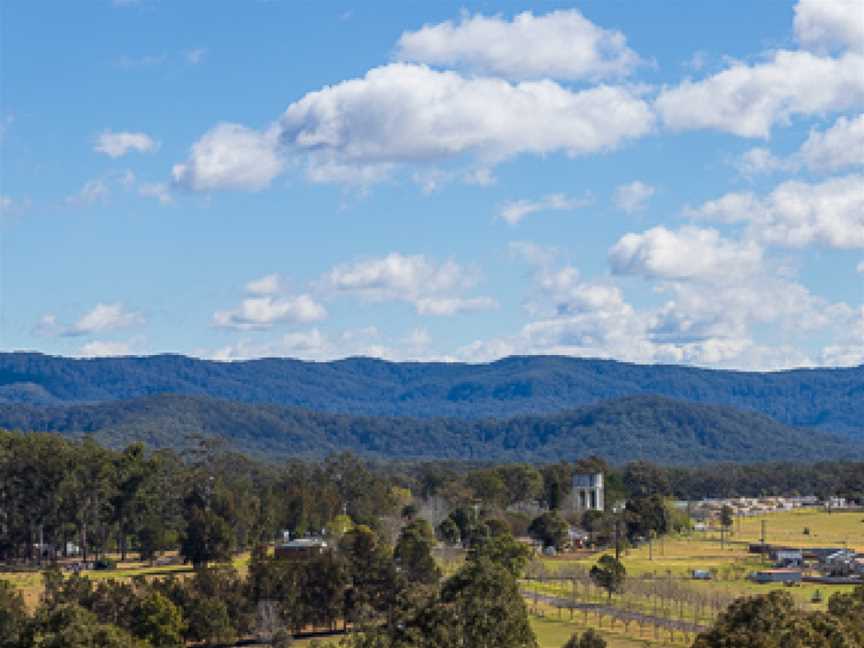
(526, 408)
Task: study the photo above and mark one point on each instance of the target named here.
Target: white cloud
(158, 190)
(92, 192)
(840, 146)
(717, 297)
(688, 253)
(480, 177)
(404, 113)
(431, 180)
(748, 100)
(562, 44)
(196, 56)
(102, 317)
(453, 305)
(258, 313)
(633, 197)
(860, 267)
(270, 284)
(397, 276)
(231, 156)
(117, 145)
(433, 288)
(104, 349)
(315, 344)
(797, 214)
(849, 352)
(514, 212)
(760, 160)
(826, 25)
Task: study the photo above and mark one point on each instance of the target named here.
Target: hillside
(829, 399)
(641, 427)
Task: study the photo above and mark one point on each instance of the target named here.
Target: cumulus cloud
(453, 305)
(633, 197)
(117, 145)
(835, 148)
(433, 288)
(102, 317)
(104, 349)
(315, 344)
(93, 191)
(716, 295)
(826, 25)
(797, 214)
(688, 253)
(749, 100)
(403, 113)
(258, 313)
(842, 145)
(513, 212)
(562, 44)
(231, 156)
(270, 284)
(760, 160)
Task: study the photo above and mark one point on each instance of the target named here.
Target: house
(301, 550)
(578, 538)
(787, 576)
(788, 558)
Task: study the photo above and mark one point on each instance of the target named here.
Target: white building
(587, 492)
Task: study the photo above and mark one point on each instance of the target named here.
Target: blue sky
(669, 182)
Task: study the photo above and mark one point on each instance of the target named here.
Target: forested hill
(830, 399)
(640, 427)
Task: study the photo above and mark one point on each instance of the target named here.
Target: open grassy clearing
(826, 529)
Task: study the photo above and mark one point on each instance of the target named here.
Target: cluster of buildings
(709, 509)
(813, 564)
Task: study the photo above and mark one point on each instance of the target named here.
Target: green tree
(209, 621)
(589, 639)
(643, 479)
(557, 485)
(71, 626)
(159, 621)
(550, 528)
(207, 537)
(489, 611)
(503, 550)
(768, 621)
(609, 574)
(413, 553)
(448, 531)
(14, 621)
(646, 515)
